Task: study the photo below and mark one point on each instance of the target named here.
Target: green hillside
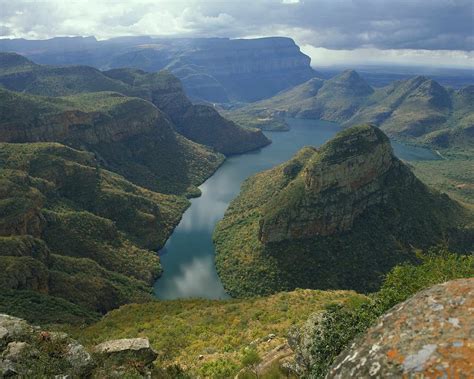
(337, 217)
(201, 124)
(207, 337)
(75, 231)
(129, 136)
(418, 110)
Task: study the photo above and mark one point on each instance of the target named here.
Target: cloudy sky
(426, 32)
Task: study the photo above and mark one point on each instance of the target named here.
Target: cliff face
(163, 89)
(336, 217)
(338, 184)
(78, 126)
(129, 136)
(211, 69)
(248, 70)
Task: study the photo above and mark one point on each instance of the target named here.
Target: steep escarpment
(199, 123)
(75, 236)
(128, 135)
(417, 109)
(211, 69)
(337, 217)
(248, 70)
(202, 124)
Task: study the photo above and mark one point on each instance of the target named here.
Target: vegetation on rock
(337, 217)
(200, 123)
(207, 336)
(433, 341)
(327, 334)
(418, 110)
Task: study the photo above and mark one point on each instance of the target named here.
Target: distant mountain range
(211, 69)
(417, 109)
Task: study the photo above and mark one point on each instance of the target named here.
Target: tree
(251, 359)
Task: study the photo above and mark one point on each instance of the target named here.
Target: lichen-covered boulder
(301, 340)
(13, 328)
(430, 335)
(127, 349)
(15, 351)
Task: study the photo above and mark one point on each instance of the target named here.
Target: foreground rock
(127, 349)
(28, 351)
(429, 335)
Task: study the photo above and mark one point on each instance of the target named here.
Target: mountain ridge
(213, 130)
(331, 216)
(418, 110)
(211, 69)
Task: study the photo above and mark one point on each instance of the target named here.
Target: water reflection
(188, 257)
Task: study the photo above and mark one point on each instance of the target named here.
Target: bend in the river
(188, 256)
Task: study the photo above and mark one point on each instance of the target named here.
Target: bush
(340, 324)
(219, 369)
(250, 360)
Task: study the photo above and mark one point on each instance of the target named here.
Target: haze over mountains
(102, 143)
(417, 109)
(211, 69)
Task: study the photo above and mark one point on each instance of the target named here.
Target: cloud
(369, 56)
(418, 25)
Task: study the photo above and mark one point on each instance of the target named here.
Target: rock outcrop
(339, 183)
(127, 350)
(336, 217)
(29, 351)
(429, 335)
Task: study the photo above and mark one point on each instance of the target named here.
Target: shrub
(340, 324)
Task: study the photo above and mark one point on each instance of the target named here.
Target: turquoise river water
(188, 256)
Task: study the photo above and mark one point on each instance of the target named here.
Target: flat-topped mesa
(79, 120)
(337, 184)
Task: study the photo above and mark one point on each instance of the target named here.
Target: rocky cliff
(202, 124)
(211, 69)
(338, 184)
(335, 217)
(129, 136)
(429, 335)
(248, 70)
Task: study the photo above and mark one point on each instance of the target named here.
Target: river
(188, 256)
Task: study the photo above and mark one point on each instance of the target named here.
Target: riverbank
(188, 256)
